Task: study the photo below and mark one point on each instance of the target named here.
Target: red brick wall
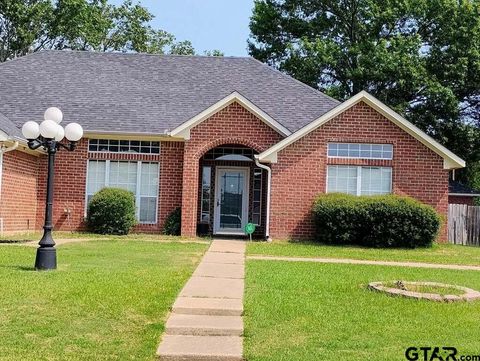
(232, 125)
(171, 177)
(18, 196)
(300, 173)
(461, 200)
(68, 191)
(70, 184)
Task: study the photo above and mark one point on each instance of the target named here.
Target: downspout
(269, 187)
(2, 151)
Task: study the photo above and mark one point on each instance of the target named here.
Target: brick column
(189, 194)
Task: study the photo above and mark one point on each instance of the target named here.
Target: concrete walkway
(367, 262)
(206, 320)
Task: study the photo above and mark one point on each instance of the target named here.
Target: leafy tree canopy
(92, 25)
(421, 57)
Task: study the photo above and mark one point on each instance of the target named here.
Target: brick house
(229, 140)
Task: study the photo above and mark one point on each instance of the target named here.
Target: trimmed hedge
(173, 223)
(111, 211)
(374, 221)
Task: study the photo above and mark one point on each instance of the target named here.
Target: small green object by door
(249, 229)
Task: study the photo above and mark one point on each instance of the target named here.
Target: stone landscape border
(469, 294)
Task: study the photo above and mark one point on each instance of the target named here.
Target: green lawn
(35, 236)
(308, 311)
(107, 301)
(439, 253)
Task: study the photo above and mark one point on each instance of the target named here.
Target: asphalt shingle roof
(141, 93)
(8, 127)
(455, 187)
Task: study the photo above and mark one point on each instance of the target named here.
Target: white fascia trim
(183, 131)
(451, 161)
(128, 136)
(464, 194)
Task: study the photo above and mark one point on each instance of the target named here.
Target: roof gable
(451, 161)
(183, 131)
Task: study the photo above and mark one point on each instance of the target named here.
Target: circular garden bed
(432, 291)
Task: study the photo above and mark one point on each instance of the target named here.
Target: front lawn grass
(108, 300)
(308, 311)
(62, 235)
(439, 253)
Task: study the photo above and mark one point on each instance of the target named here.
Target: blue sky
(208, 24)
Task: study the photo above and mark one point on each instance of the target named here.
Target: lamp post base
(46, 259)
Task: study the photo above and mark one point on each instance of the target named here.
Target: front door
(231, 200)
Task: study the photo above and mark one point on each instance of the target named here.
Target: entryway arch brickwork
(232, 125)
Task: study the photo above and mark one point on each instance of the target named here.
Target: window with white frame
(140, 178)
(358, 180)
(357, 150)
(123, 146)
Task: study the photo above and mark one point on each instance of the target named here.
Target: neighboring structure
(459, 193)
(229, 140)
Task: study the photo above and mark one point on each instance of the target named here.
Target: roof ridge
(316, 91)
(119, 53)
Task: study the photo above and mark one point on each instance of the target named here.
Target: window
(376, 180)
(257, 196)
(359, 180)
(140, 178)
(123, 146)
(342, 179)
(230, 152)
(148, 192)
(96, 177)
(206, 194)
(355, 150)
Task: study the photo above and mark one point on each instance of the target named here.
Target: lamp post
(49, 135)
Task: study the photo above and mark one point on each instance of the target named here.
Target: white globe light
(60, 134)
(31, 130)
(54, 114)
(48, 129)
(74, 132)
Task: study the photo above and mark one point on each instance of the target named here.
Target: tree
(421, 57)
(90, 25)
(213, 53)
(22, 25)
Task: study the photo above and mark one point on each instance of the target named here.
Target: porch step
(200, 348)
(208, 306)
(204, 325)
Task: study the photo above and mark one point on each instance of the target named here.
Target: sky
(208, 24)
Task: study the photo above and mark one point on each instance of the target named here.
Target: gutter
(269, 187)
(2, 151)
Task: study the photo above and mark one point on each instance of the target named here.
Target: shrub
(173, 223)
(111, 211)
(374, 221)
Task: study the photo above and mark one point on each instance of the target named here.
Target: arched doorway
(231, 191)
